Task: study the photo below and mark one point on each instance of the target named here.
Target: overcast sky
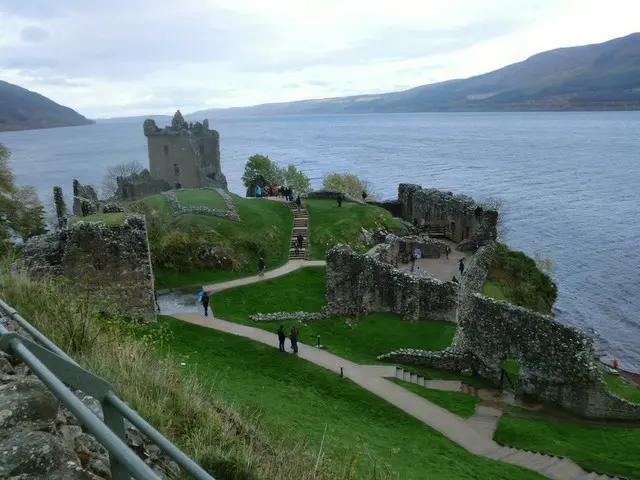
(132, 57)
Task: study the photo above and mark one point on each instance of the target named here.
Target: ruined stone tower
(185, 155)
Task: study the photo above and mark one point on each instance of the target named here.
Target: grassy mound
(229, 441)
(181, 245)
(515, 277)
(308, 403)
(458, 403)
(611, 450)
(359, 340)
(201, 198)
(330, 225)
(621, 387)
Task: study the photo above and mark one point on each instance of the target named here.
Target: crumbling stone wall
(85, 200)
(557, 362)
(111, 259)
(459, 215)
(361, 284)
(140, 185)
(40, 438)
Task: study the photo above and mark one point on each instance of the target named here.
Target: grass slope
(303, 290)
(458, 403)
(201, 197)
(621, 387)
(611, 450)
(264, 231)
(330, 225)
(300, 400)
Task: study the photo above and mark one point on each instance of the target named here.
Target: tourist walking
(339, 200)
(447, 251)
(293, 337)
(261, 267)
(461, 266)
(364, 196)
(258, 191)
(298, 203)
(281, 337)
(205, 303)
(413, 261)
(299, 243)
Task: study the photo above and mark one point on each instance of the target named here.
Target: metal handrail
(55, 368)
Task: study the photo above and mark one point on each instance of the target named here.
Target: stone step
(541, 462)
(502, 452)
(517, 457)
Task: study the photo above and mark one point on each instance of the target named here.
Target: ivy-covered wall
(111, 261)
(362, 284)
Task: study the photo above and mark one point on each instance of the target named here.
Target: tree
(261, 166)
(22, 212)
(297, 180)
(347, 183)
(109, 185)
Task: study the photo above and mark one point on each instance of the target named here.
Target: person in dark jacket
(298, 202)
(281, 337)
(293, 336)
(340, 200)
(461, 266)
(261, 267)
(364, 196)
(205, 303)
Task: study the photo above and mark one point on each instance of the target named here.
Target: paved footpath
(475, 440)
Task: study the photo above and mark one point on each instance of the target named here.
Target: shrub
(348, 183)
(522, 281)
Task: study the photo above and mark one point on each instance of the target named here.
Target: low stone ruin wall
(392, 206)
(140, 185)
(41, 439)
(177, 208)
(111, 259)
(460, 215)
(360, 284)
(557, 362)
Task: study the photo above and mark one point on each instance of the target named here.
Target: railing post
(114, 421)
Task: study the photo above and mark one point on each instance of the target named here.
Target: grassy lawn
(301, 400)
(494, 290)
(622, 388)
(458, 403)
(264, 231)
(205, 198)
(107, 218)
(611, 450)
(303, 290)
(330, 225)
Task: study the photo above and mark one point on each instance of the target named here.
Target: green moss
(515, 277)
(458, 403)
(330, 225)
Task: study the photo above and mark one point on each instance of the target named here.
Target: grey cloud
(120, 40)
(34, 34)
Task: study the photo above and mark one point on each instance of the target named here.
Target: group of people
(274, 191)
(293, 337)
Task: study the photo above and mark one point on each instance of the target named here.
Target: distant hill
(22, 109)
(604, 76)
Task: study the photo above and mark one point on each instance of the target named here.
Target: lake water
(568, 183)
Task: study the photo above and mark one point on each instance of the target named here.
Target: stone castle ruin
(113, 261)
(185, 155)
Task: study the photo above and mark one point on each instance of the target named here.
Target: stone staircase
(300, 226)
(485, 420)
